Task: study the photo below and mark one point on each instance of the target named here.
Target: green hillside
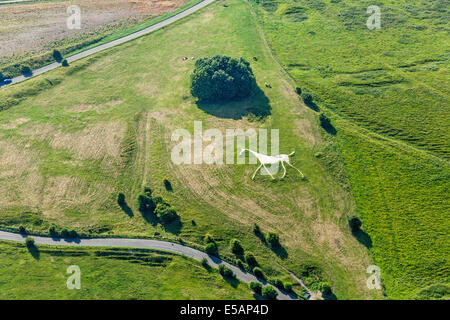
(74, 138)
(387, 93)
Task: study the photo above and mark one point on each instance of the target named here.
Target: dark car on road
(6, 81)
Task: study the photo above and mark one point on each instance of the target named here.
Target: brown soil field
(31, 28)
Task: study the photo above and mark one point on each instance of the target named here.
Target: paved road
(116, 42)
(145, 244)
(15, 1)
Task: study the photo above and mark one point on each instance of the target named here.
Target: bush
(279, 284)
(259, 273)
(256, 229)
(64, 233)
(57, 55)
(355, 224)
(226, 272)
(221, 268)
(22, 230)
(146, 204)
(167, 185)
(236, 247)
(1, 77)
(52, 231)
(325, 288)
(29, 242)
(298, 90)
(288, 287)
(251, 260)
(211, 248)
(255, 286)
(158, 199)
(240, 265)
(205, 263)
(273, 239)
(222, 78)
(324, 121)
(121, 199)
(73, 234)
(269, 292)
(307, 98)
(148, 192)
(165, 213)
(208, 238)
(25, 70)
(65, 63)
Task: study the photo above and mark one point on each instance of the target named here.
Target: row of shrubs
(267, 292)
(64, 233)
(272, 238)
(307, 98)
(26, 69)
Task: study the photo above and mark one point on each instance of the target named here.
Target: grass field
(387, 93)
(73, 138)
(109, 274)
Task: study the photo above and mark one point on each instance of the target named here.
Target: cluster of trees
(267, 292)
(65, 233)
(283, 285)
(222, 78)
(149, 204)
(226, 272)
(211, 245)
(271, 238)
(59, 58)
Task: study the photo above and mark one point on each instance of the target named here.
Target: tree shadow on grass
(280, 251)
(34, 251)
(360, 235)
(126, 208)
(330, 129)
(330, 296)
(257, 104)
(312, 106)
(149, 217)
(232, 281)
(363, 238)
(261, 237)
(174, 227)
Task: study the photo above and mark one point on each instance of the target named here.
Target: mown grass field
(387, 93)
(73, 138)
(109, 274)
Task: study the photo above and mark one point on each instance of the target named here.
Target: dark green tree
(273, 239)
(57, 55)
(236, 246)
(269, 292)
(222, 78)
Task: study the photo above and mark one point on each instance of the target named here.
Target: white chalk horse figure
(269, 160)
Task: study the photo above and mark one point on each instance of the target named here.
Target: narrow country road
(144, 244)
(116, 42)
(15, 1)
